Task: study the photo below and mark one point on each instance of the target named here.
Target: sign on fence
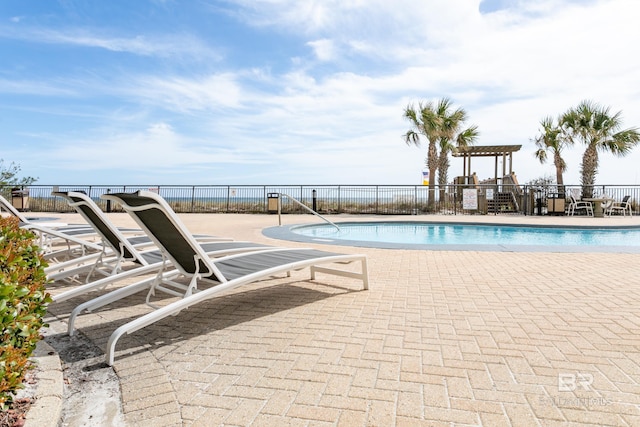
(489, 193)
(470, 199)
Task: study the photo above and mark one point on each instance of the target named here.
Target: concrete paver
(441, 337)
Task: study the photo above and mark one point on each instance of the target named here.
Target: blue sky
(295, 91)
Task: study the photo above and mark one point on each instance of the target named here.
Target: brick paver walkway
(440, 338)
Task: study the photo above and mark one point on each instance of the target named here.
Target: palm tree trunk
(560, 166)
(432, 164)
(443, 173)
(589, 168)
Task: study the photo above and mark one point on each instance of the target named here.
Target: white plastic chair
(624, 206)
(579, 205)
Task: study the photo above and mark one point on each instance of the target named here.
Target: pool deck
(464, 338)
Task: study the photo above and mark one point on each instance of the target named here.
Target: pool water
(416, 233)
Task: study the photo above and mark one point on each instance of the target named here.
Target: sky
(300, 92)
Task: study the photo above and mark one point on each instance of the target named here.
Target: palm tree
(551, 139)
(436, 122)
(462, 139)
(593, 125)
(426, 122)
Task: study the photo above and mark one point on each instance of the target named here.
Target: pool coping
(283, 232)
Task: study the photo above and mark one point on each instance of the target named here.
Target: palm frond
(412, 138)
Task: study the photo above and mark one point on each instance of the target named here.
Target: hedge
(23, 304)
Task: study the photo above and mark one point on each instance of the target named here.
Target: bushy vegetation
(23, 304)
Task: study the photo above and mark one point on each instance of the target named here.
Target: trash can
(555, 204)
(273, 201)
(20, 199)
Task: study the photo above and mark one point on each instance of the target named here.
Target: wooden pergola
(496, 151)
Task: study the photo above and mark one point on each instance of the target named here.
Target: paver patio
(445, 338)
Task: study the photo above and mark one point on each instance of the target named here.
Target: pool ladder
(293, 199)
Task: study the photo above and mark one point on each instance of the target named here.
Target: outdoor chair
(71, 229)
(118, 251)
(60, 239)
(578, 205)
(192, 263)
(624, 207)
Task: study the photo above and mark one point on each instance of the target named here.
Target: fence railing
(337, 199)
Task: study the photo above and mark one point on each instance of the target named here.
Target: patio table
(597, 202)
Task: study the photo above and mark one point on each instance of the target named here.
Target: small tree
(9, 175)
(540, 188)
(542, 181)
(552, 139)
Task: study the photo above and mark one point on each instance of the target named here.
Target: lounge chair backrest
(94, 216)
(156, 217)
(4, 204)
(625, 199)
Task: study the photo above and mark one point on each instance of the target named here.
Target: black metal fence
(335, 199)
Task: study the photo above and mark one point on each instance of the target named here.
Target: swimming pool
(456, 236)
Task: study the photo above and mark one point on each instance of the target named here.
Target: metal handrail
(293, 199)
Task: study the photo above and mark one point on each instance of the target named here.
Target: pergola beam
(487, 151)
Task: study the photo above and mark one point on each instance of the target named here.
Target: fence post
(108, 201)
(314, 200)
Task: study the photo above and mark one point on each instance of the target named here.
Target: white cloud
(324, 49)
(161, 45)
(183, 94)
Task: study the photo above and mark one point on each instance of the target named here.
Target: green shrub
(23, 304)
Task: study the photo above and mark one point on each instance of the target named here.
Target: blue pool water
(463, 236)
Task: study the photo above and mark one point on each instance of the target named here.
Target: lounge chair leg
(363, 275)
(111, 344)
(106, 299)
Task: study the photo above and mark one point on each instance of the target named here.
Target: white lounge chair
(71, 229)
(118, 251)
(115, 248)
(75, 238)
(624, 207)
(578, 205)
(155, 216)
